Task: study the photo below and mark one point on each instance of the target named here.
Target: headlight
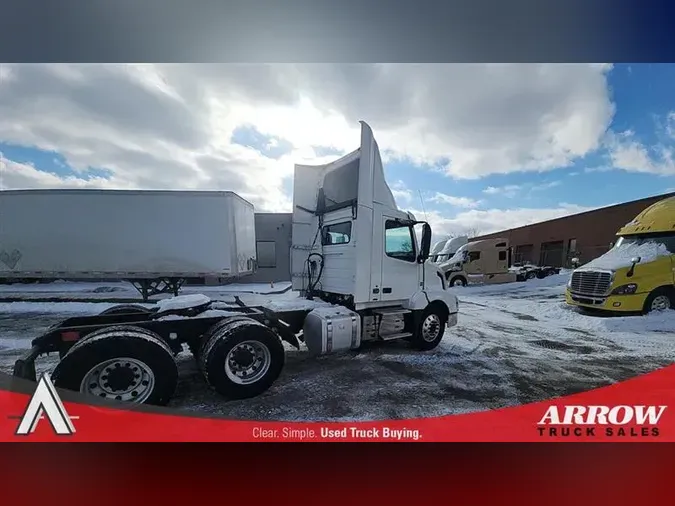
(569, 282)
(625, 289)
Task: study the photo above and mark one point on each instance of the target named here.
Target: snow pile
(656, 321)
(182, 302)
(209, 313)
(295, 304)
(621, 256)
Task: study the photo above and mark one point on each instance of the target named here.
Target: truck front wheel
(456, 280)
(241, 358)
(430, 328)
(122, 363)
(660, 299)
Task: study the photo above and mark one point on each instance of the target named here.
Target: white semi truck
(154, 239)
(449, 248)
(356, 258)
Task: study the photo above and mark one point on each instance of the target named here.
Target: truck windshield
(668, 240)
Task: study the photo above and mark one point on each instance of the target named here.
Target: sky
(474, 148)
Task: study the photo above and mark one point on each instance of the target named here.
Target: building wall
(585, 235)
(273, 244)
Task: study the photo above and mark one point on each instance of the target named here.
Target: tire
(531, 275)
(196, 345)
(126, 309)
(259, 346)
(150, 372)
(436, 316)
(456, 281)
(660, 299)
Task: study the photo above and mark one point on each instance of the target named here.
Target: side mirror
(425, 245)
(634, 261)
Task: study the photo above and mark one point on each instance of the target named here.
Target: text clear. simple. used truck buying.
(155, 239)
(356, 258)
(638, 273)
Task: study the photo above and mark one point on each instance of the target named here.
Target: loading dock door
(523, 253)
(552, 253)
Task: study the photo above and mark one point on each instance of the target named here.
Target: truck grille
(590, 283)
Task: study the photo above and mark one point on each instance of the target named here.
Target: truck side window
(399, 241)
(474, 255)
(502, 255)
(339, 233)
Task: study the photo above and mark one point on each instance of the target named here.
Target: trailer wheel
(431, 327)
(241, 358)
(122, 363)
(126, 309)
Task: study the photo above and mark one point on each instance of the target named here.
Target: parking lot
(514, 344)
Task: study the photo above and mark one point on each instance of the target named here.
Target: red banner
(636, 410)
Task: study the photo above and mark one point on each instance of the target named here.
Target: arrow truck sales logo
(46, 402)
(609, 421)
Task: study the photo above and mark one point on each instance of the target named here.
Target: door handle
(386, 290)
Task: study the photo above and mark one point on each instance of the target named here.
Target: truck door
(399, 261)
(474, 264)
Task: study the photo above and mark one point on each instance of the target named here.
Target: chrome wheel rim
(122, 379)
(247, 362)
(660, 303)
(457, 282)
(431, 327)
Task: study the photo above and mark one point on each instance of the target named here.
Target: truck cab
(436, 250)
(353, 247)
(638, 273)
(450, 247)
(484, 261)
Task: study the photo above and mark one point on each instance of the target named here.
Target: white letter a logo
(46, 401)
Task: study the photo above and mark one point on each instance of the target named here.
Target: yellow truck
(638, 273)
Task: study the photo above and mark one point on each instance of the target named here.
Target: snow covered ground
(514, 344)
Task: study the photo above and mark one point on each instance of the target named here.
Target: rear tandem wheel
(240, 357)
(123, 363)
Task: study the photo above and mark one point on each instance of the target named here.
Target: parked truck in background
(484, 261)
(356, 258)
(449, 248)
(436, 249)
(638, 273)
(154, 239)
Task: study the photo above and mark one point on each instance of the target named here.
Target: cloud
(627, 153)
(510, 190)
(494, 220)
(170, 126)
(443, 198)
(402, 194)
(22, 176)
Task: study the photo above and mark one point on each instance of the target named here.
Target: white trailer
(155, 239)
(355, 256)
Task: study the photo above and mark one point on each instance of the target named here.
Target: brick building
(585, 235)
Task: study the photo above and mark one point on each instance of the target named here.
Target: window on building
(502, 255)
(474, 255)
(338, 233)
(572, 245)
(266, 252)
(399, 241)
(501, 245)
